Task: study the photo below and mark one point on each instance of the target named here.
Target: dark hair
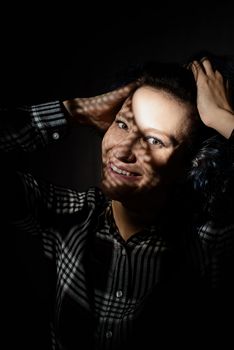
(211, 178)
(173, 79)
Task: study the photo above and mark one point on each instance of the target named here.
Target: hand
(212, 98)
(99, 110)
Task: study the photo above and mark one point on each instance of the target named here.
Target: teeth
(120, 171)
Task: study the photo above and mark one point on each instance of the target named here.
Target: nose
(125, 151)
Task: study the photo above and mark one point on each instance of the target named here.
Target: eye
(154, 141)
(121, 124)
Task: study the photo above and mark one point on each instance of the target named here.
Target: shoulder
(95, 197)
(216, 236)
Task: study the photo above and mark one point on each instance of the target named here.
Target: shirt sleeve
(217, 235)
(28, 128)
(25, 198)
(218, 251)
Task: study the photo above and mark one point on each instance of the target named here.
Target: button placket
(55, 135)
(119, 293)
(108, 334)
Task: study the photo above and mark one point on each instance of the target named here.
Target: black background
(73, 50)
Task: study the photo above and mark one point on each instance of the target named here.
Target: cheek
(112, 138)
(164, 165)
(160, 159)
(107, 143)
(171, 168)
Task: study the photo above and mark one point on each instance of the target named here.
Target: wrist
(223, 123)
(69, 106)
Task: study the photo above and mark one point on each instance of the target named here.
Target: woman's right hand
(100, 110)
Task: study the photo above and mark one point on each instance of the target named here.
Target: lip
(133, 177)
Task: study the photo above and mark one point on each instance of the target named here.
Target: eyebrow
(129, 119)
(172, 139)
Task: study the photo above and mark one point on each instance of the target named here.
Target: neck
(130, 218)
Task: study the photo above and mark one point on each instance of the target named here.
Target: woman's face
(143, 150)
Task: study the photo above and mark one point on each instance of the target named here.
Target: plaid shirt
(110, 293)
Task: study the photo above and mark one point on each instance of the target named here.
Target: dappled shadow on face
(135, 164)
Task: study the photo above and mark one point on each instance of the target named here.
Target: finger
(195, 67)
(219, 76)
(207, 66)
(188, 65)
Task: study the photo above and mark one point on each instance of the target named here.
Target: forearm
(27, 128)
(98, 111)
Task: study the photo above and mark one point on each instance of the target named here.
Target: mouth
(122, 172)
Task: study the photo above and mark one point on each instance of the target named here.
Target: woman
(135, 260)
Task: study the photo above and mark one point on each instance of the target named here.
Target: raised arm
(29, 127)
(100, 110)
(216, 162)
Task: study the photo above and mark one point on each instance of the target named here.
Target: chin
(120, 193)
(115, 193)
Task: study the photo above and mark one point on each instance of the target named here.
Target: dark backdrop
(49, 53)
(76, 51)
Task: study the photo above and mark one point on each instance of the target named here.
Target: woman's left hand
(212, 98)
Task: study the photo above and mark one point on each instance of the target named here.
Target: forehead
(156, 109)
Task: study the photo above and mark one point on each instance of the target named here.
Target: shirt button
(123, 252)
(119, 293)
(108, 334)
(55, 135)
